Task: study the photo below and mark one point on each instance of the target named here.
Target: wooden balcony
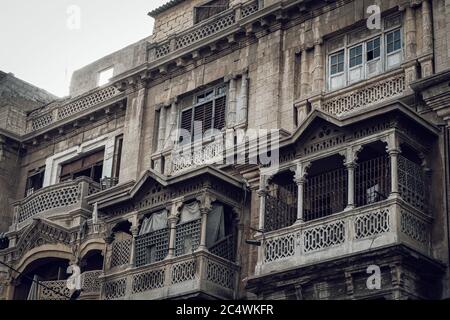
(199, 273)
(377, 225)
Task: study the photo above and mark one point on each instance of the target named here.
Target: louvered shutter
(186, 120)
(219, 113)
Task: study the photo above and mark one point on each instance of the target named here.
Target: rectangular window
(210, 9)
(90, 166)
(337, 75)
(337, 63)
(373, 49)
(208, 112)
(105, 76)
(35, 181)
(356, 56)
(393, 41)
(368, 58)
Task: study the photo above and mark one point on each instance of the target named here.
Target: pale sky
(40, 42)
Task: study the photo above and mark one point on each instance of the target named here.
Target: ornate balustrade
(62, 111)
(90, 284)
(389, 222)
(62, 197)
(188, 157)
(212, 27)
(363, 95)
(197, 272)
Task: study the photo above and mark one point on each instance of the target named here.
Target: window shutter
(207, 120)
(199, 115)
(186, 120)
(219, 114)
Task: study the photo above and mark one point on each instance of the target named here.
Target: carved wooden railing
(222, 21)
(189, 157)
(63, 196)
(90, 285)
(368, 93)
(199, 271)
(392, 221)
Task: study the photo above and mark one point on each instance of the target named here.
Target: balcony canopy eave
(128, 192)
(353, 118)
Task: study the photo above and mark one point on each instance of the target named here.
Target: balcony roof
(164, 7)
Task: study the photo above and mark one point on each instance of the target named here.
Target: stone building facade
(356, 116)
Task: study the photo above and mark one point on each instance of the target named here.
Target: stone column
(318, 67)
(244, 100)
(171, 123)
(427, 27)
(304, 72)
(232, 102)
(427, 23)
(410, 31)
(162, 128)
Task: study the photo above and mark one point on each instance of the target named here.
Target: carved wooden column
(426, 61)
(351, 157)
(205, 209)
(173, 220)
(300, 179)
(393, 149)
(134, 232)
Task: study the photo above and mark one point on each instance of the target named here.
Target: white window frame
(382, 60)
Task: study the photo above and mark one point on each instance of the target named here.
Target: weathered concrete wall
(86, 78)
(18, 93)
(8, 183)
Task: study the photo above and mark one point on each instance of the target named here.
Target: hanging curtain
(155, 222)
(215, 225)
(190, 212)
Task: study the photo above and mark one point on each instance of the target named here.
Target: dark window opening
(35, 181)
(208, 112)
(210, 9)
(90, 166)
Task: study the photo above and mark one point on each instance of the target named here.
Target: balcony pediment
(39, 233)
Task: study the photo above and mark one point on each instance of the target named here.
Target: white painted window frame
(347, 46)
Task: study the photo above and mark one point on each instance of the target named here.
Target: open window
(105, 76)
(210, 9)
(35, 181)
(90, 166)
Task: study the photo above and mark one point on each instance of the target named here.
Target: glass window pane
(356, 56)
